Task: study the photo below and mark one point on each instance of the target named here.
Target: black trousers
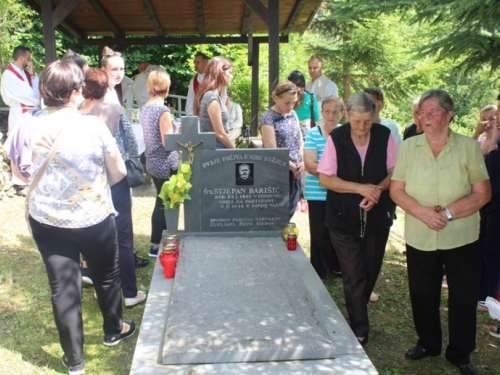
(425, 274)
(323, 256)
(122, 201)
(490, 249)
(360, 262)
(158, 222)
(294, 185)
(60, 249)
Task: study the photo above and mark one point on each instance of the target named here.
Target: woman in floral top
(280, 128)
(161, 164)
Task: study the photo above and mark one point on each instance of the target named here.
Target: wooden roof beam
(259, 9)
(70, 29)
(176, 40)
(311, 17)
(292, 20)
(246, 21)
(106, 17)
(62, 11)
(200, 17)
(155, 21)
(67, 27)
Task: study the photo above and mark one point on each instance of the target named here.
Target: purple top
(158, 161)
(286, 130)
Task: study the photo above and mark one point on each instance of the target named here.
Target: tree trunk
(347, 78)
(346, 72)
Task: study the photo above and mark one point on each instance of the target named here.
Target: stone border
(351, 358)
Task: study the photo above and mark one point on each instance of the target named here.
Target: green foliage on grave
(176, 190)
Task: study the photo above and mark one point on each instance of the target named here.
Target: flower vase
(172, 219)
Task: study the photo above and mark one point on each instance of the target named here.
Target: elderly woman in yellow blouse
(441, 182)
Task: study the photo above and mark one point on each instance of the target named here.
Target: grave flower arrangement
(175, 190)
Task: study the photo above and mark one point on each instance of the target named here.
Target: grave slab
(350, 357)
(236, 300)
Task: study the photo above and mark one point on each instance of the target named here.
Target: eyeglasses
(431, 113)
(113, 53)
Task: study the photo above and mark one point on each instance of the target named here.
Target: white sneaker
(131, 302)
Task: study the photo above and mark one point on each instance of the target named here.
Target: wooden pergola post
(254, 123)
(49, 35)
(274, 47)
(52, 18)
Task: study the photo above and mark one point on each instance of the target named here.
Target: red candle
(291, 241)
(168, 260)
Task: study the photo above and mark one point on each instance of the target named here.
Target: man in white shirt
(19, 89)
(320, 85)
(377, 94)
(139, 87)
(200, 64)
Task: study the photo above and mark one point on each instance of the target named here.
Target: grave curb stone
(351, 358)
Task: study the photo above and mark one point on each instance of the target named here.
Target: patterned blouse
(74, 190)
(158, 161)
(287, 132)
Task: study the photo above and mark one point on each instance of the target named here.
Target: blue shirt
(314, 141)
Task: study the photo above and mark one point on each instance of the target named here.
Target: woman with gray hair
(441, 182)
(356, 168)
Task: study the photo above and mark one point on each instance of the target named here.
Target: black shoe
(140, 262)
(74, 369)
(417, 353)
(115, 339)
(467, 369)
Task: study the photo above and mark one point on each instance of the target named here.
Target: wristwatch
(448, 213)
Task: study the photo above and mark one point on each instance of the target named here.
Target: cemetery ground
(29, 342)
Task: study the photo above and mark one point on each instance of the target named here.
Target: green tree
(19, 25)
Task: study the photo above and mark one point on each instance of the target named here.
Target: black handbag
(135, 169)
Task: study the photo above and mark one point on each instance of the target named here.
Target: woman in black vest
(356, 168)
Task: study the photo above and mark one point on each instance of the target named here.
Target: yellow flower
(188, 186)
(185, 168)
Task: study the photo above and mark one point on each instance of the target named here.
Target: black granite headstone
(243, 190)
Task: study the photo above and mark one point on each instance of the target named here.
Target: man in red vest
(19, 89)
(200, 64)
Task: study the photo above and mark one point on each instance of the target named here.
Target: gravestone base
(183, 332)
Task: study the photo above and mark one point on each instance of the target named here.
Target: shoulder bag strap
(41, 172)
(120, 127)
(313, 123)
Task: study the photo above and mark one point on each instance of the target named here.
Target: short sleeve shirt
(286, 130)
(440, 181)
(158, 161)
(314, 141)
(205, 123)
(328, 162)
(74, 190)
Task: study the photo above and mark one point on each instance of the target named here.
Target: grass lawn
(29, 342)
